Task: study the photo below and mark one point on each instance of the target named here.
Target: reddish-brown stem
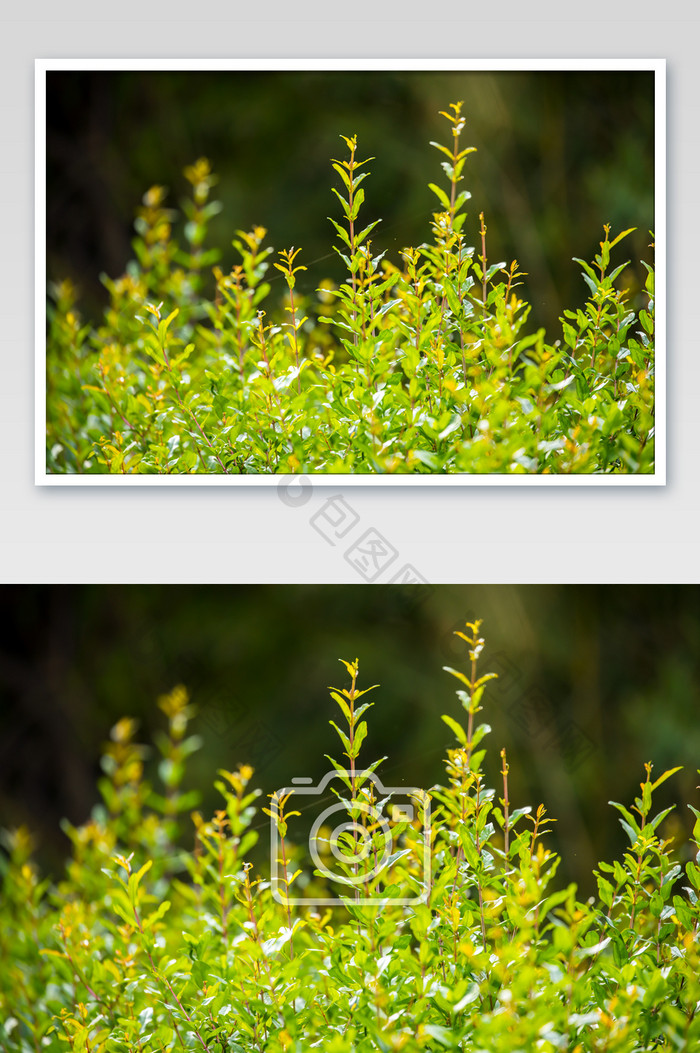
(286, 895)
(482, 231)
(164, 980)
(294, 331)
(506, 830)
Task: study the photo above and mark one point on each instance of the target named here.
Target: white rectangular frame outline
(657, 66)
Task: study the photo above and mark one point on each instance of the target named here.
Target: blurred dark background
(559, 154)
(593, 681)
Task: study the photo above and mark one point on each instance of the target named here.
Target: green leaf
(157, 914)
(135, 879)
(476, 698)
(606, 891)
(555, 899)
(591, 952)
(443, 149)
(478, 734)
(469, 848)
(457, 728)
(461, 198)
(343, 234)
(342, 172)
(359, 238)
(628, 822)
(429, 459)
(693, 873)
(460, 676)
(343, 202)
(343, 704)
(125, 915)
(441, 195)
(452, 297)
(363, 708)
(343, 737)
(360, 735)
(653, 823)
(340, 769)
(443, 1035)
(621, 236)
(656, 903)
(165, 325)
(357, 202)
(696, 827)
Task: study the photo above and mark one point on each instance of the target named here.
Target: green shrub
(144, 946)
(423, 364)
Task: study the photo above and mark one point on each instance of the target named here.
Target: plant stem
(482, 231)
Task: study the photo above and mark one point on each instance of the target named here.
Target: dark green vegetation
(560, 152)
(420, 364)
(592, 680)
(144, 946)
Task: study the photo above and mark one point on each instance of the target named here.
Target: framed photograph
(362, 271)
(483, 836)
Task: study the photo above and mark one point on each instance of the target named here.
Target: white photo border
(657, 66)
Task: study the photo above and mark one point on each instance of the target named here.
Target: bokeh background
(559, 154)
(593, 681)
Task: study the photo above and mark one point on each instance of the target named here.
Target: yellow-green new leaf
(460, 676)
(666, 775)
(457, 728)
(135, 879)
(157, 914)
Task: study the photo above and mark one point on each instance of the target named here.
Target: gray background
(217, 534)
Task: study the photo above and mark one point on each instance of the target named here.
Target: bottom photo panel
(350, 818)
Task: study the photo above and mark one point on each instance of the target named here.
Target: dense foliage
(423, 364)
(145, 946)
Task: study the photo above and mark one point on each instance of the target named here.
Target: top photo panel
(366, 272)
